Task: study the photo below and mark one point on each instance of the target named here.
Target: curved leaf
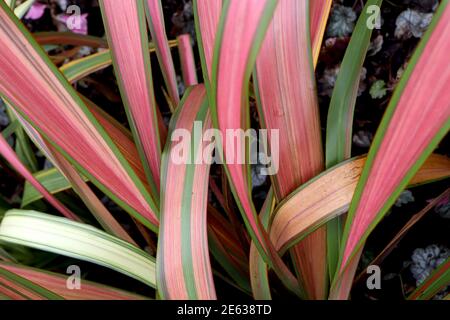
(240, 35)
(127, 37)
(76, 240)
(417, 118)
(187, 60)
(16, 287)
(184, 270)
(36, 89)
(283, 63)
(329, 195)
(340, 117)
(155, 18)
(57, 283)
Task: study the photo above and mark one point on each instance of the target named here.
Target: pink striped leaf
(417, 118)
(8, 153)
(57, 284)
(207, 15)
(240, 34)
(15, 287)
(97, 208)
(127, 37)
(187, 60)
(155, 18)
(183, 266)
(283, 63)
(318, 17)
(41, 95)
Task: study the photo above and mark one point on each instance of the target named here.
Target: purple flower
(36, 11)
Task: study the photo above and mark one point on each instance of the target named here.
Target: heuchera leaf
(184, 270)
(187, 60)
(436, 282)
(417, 118)
(155, 18)
(127, 37)
(36, 89)
(393, 244)
(284, 62)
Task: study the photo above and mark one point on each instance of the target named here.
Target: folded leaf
(240, 35)
(283, 63)
(417, 118)
(329, 194)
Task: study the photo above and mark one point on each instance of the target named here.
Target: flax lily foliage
(194, 223)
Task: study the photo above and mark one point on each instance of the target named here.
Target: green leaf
(51, 179)
(340, 118)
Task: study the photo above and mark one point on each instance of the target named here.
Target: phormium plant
(310, 232)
